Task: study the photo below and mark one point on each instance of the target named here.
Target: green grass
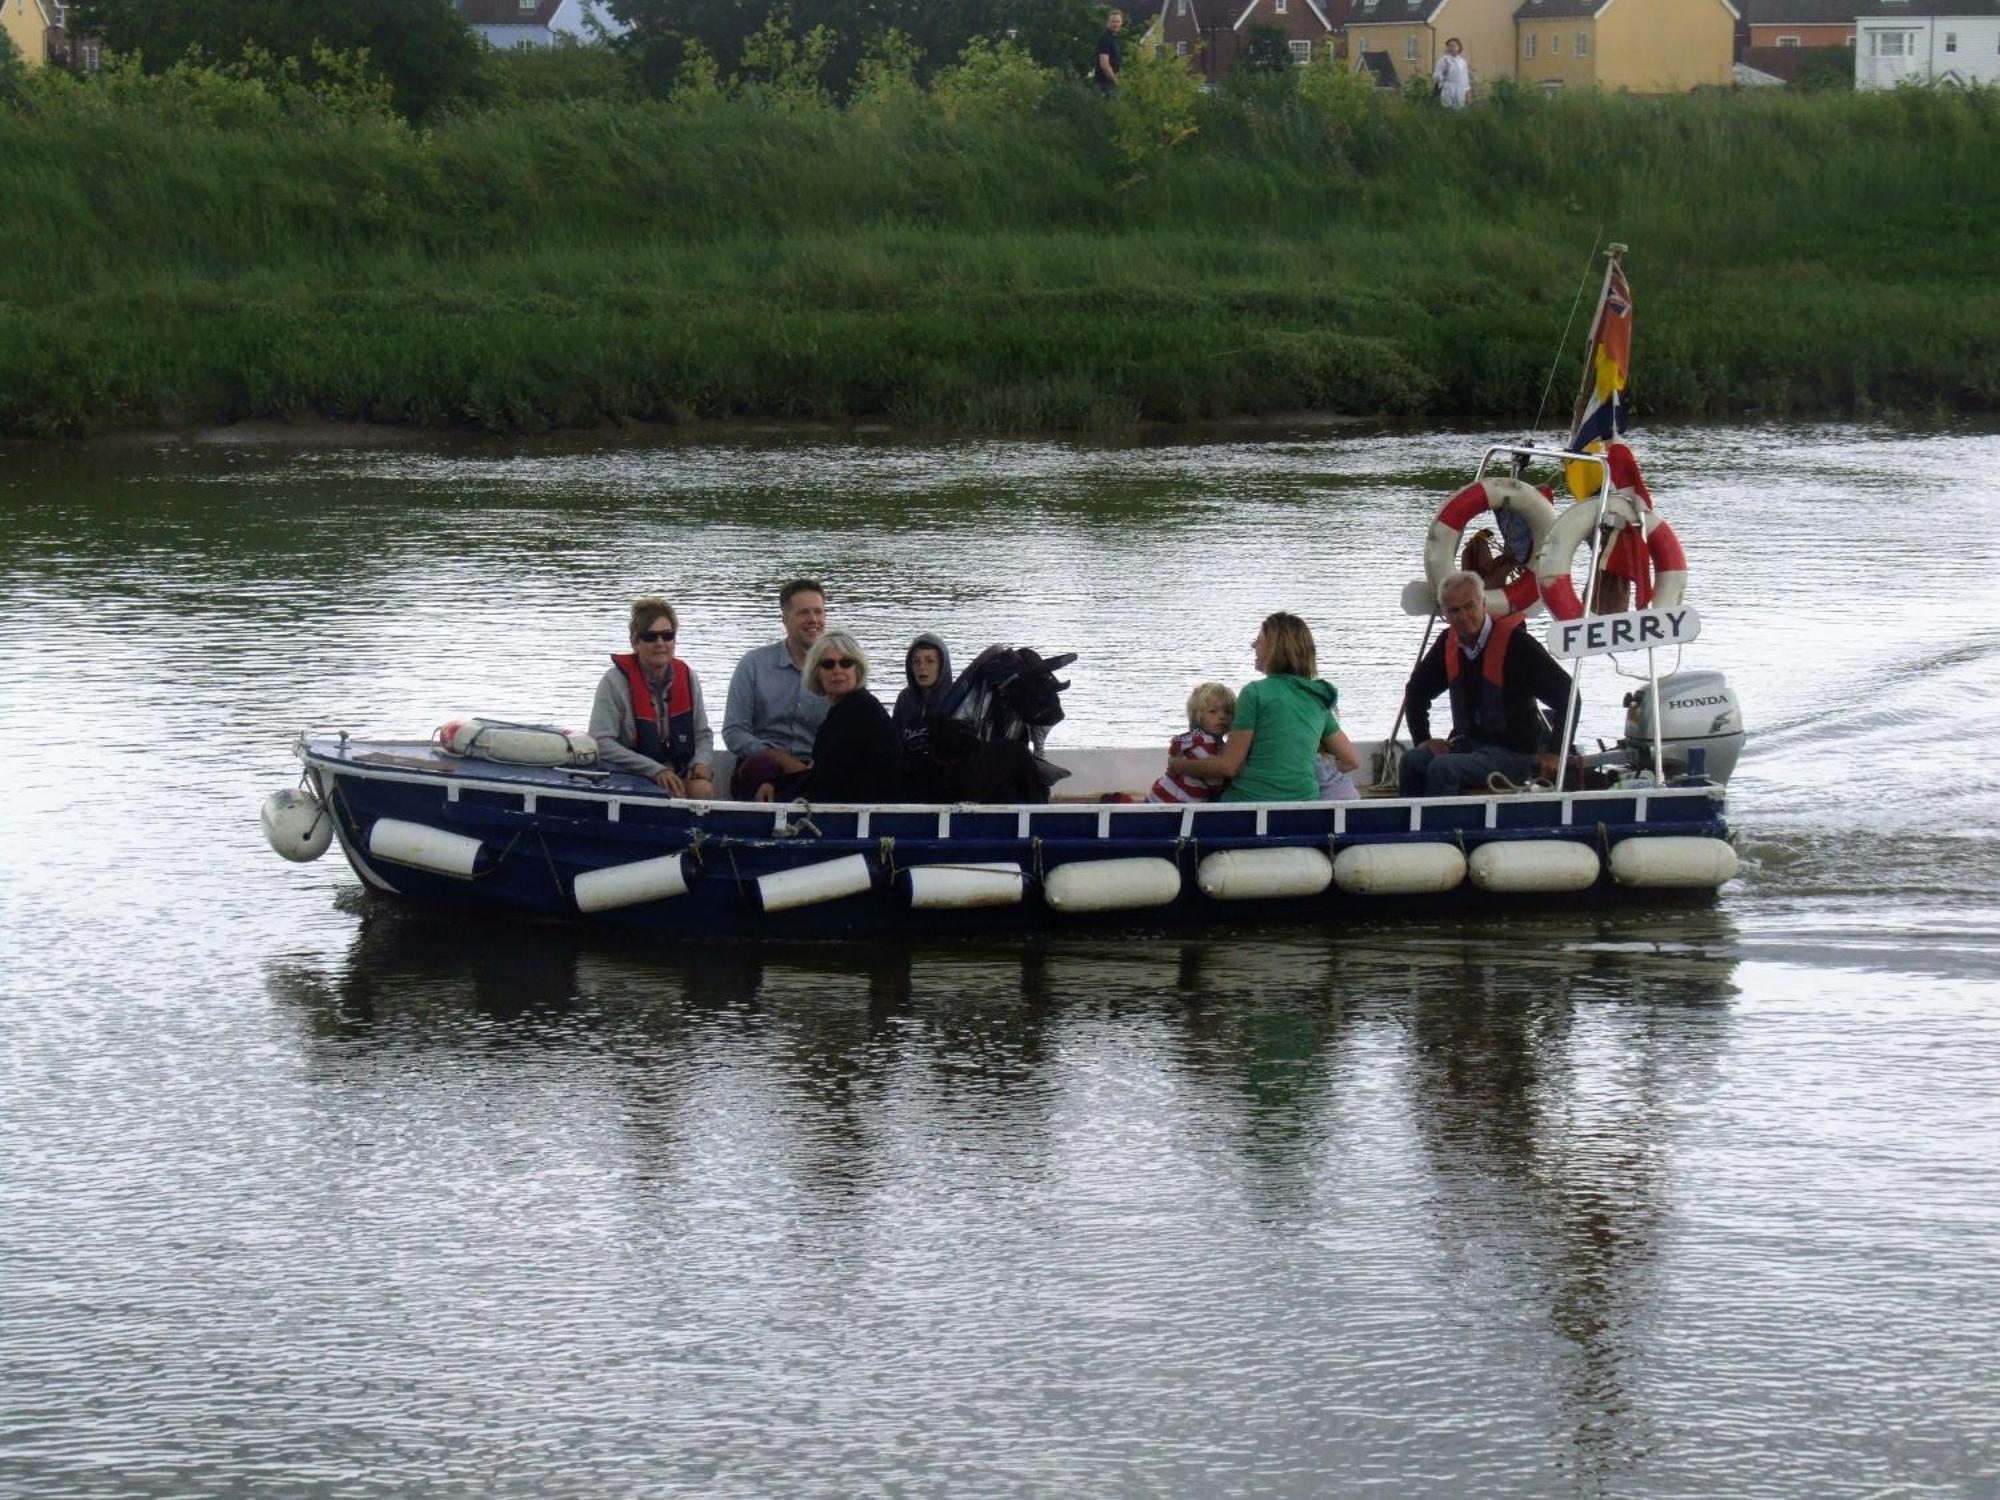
(568, 264)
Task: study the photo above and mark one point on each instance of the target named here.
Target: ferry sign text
(1597, 634)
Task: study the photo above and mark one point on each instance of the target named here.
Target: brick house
(1215, 35)
(1661, 47)
(1800, 23)
(1302, 26)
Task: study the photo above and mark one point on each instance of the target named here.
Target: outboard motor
(1701, 714)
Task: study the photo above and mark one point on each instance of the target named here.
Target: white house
(1949, 42)
(538, 23)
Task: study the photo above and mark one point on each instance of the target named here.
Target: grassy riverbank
(570, 263)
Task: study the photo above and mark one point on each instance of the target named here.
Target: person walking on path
(1451, 79)
(1108, 59)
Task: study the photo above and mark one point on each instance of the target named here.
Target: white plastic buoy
(1112, 884)
(629, 885)
(1398, 869)
(954, 887)
(297, 825)
(1673, 862)
(517, 744)
(812, 884)
(1534, 865)
(1261, 874)
(424, 847)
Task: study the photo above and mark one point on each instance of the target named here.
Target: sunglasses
(655, 635)
(839, 663)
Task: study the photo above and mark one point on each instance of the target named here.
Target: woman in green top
(1282, 721)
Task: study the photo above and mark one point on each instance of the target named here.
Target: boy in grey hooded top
(916, 700)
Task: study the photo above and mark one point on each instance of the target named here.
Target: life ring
(1558, 550)
(1441, 546)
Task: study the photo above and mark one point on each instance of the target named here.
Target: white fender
(809, 885)
(1674, 862)
(297, 825)
(1557, 552)
(1112, 884)
(424, 847)
(1259, 874)
(1441, 546)
(517, 744)
(632, 884)
(957, 887)
(1534, 865)
(1398, 869)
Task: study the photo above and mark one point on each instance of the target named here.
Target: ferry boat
(437, 821)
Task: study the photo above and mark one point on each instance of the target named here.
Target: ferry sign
(1595, 635)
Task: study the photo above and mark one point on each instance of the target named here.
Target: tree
(422, 47)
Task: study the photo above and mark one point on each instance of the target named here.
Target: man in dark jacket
(1109, 59)
(1496, 672)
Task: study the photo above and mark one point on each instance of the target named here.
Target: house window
(1180, 7)
(1555, 44)
(528, 4)
(1409, 49)
(1180, 49)
(1951, 41)
(1302, 52)
(1552, 85)
(1279, 7)
(1583, 44)
(1889, 43)
(1528, 45)
(1788, 41)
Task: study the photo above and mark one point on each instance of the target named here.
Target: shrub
(1156, 108)
(991, 80)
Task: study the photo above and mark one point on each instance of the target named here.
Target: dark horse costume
(987, 731)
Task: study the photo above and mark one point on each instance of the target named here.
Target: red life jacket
(1488, 711)
(672, 743)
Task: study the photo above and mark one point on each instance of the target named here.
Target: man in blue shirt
(771, 719)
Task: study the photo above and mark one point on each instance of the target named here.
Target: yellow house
(1644, 46)
(1411, 34)
(27, 24)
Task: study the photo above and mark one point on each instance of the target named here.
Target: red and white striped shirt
(1193, 744)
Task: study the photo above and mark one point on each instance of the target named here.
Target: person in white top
(1452, 78)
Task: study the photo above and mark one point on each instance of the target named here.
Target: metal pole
(1394, 729)
(1589, 598)
(1611, 255)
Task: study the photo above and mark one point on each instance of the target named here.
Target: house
(27, 24)
(37, 30)
(508, 24)
(1302, 27)
(1800, 23)
(1413, 32)
(1649, 47)
(1218, 35)
(1949, 42)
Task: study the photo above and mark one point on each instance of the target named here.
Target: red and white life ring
(1558, 550)
(1441, 546)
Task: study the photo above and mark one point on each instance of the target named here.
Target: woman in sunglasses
(648, 718)
(856, 754)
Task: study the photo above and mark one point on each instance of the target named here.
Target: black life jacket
(672, 744)
(1484, 713)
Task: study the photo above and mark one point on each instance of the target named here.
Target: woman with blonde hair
(1284, 720)
(856, 755)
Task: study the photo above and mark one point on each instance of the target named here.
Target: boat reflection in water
(1474, 1122)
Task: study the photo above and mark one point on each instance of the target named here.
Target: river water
(305, 1196)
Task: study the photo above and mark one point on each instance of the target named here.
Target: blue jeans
(1425, 773)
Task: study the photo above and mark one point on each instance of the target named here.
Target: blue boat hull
(538, 829)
